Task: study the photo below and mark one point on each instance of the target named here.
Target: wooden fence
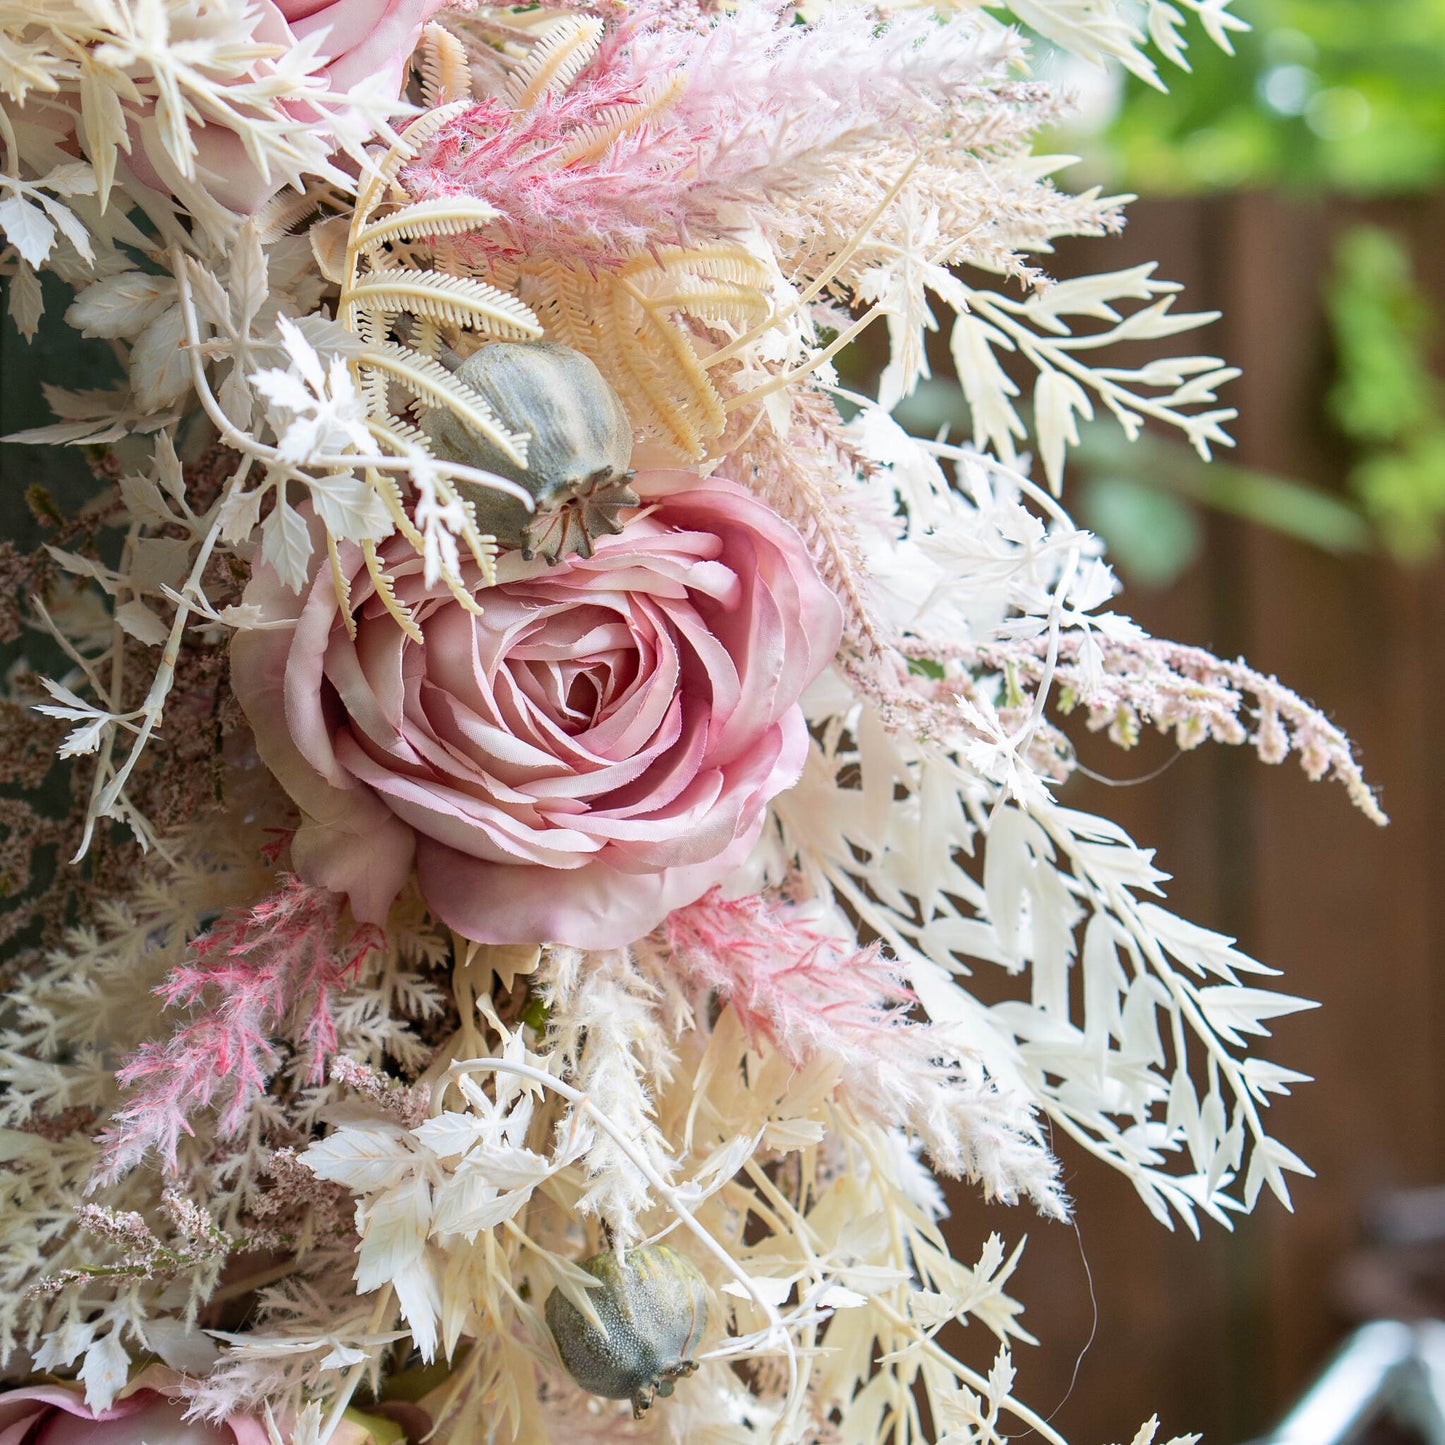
(1219, 1335)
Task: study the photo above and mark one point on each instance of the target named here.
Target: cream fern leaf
(445, 75)
(637, 324)
(431, 382)
(406, 148)
(455, 300)
(426, 220)
(556, 59)
(387, 592)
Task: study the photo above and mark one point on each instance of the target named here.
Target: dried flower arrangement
(547, 760)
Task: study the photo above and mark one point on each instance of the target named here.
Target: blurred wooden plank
(1220, 1335)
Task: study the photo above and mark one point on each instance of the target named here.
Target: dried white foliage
(952, 848)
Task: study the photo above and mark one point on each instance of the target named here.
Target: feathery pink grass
(687, 124)
(257, 977)
(791, 985)
(810, 994)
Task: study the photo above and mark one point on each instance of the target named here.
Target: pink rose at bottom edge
(147, 1412)
(598, 747)
(150, 1410)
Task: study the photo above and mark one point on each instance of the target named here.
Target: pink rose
(596, 749)
(361, 41)
(144, 1414)
(361, 38)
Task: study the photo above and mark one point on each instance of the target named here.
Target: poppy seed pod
(578, 455)
(653, 1308)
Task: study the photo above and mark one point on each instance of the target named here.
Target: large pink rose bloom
(361, 43)
(58, 1415)
(597, 748)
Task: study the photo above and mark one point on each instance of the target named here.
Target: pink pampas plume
(259, 974)
(808, 993)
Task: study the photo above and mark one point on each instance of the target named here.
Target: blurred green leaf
(1152, 536)
(1380, 322)
(1384, 398)
(1140, 498)
(1344, 95)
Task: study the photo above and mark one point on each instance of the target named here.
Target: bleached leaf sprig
(1042, 329)
(446, 1180)
(1102, 32)
(888, 825)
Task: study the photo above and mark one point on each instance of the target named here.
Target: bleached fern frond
(658, 358)
(706, 299)
(407, 147)
(694, 415)
(426, 220)
(434, 384)
(721, 260)
(556, 59)
(616, 121)
(400, 436)
(386, 590)
(283, 214)
(455, 300)
(445, 74)
(634, 323)
(612, 1043)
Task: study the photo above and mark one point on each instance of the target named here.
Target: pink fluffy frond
(808, 993)
(258, 978)
(667, 128)
(1125, 682)
(790, 984)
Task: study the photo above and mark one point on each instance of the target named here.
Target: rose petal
(598, 746)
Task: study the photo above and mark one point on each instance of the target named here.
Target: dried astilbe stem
(1186, 689)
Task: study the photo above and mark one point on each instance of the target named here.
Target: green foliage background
(1325, 98)
(1338, 95)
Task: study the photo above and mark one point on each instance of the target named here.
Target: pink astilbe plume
(669, 129)
(808, 994)
(1123, 683)
(258, 976)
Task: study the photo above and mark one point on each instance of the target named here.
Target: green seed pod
(577, 459)
(653, 1310)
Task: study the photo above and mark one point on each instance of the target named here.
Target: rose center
(577, 693)
(584, 693)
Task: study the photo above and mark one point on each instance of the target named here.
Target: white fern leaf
(556, 59)
(427, 220)
(457, 300)
(445, 75)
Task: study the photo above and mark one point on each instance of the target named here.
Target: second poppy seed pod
(653, 1309)
(578, 457)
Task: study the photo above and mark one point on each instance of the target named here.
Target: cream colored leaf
(427, 220)
(141, 623)
(27, 228)
(455, 299)
(27, 304)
